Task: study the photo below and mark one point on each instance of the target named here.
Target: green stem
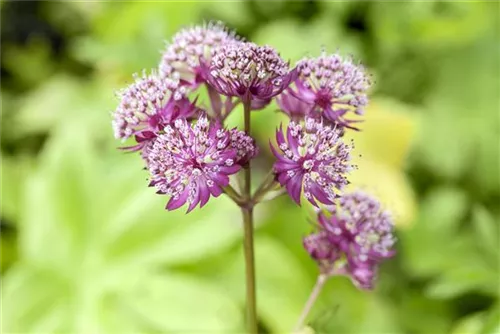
(310, 302)
(247, 211)
(233, 194)
(264, 187)
(250, 271)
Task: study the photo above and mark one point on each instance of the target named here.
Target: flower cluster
(250, 72)
(147, 105)
(353, 239)
(191, 156)
(329, 87)
(188, 152)
(190, 162)
(312, 156)
(191, 49)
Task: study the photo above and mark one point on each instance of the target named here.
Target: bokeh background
(87, 247)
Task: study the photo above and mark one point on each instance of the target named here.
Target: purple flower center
(323, 98)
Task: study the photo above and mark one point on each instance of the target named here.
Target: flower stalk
(320, 282)
(247, 211)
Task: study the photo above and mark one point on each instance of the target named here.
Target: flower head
(191, 50)
(353, 239)
(333, 86)
(147, 105)
(249, 71)
(294, 107)
(314, 157)
(191, 162)
(244, 145)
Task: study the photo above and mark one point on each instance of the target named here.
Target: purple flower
(190, 163)
(147, 105)
(314, 157)
(245, 147)
(191, 49)
(295, 108)
(248, 71)
(353, 239)
(334, 87)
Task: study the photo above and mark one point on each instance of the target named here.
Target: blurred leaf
(389, 185)
(444, 133)
(29, 65)
(387, 132)
(471, 324)
(202, 233)
(443, 208)
(65, 99)
(14, 172)
(233, 13)
(340, 302)
(429, 245)
(492, 321)
(486, 229)
(168, 303)
(432, 24)
(76, 227)
(414, 306)
(377, 318)
(28, 297)
(461, 120)
(293, 40)
(8, 249)
(477, 276)
(380, 150)
(121, 29)
(487, 167)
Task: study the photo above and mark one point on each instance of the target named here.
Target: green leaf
(30, 297)
(471, 324)
(31, 64)
(173, 303)
(14, 172)
(66, 100)
(390, 185)
(293, 40)
(120, 29)
(486, 229)
(58, 195)
(8, 248)
(477, 276)
(178, 238)
(375, 142)
(380, 153)
(431, 243)
(97, 227)
(492, 321)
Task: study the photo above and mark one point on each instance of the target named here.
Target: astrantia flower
(314, 157)
(191, 48)
(191, 162)
(147, 105)
(294, 107)
(244, 145)
(250, 72)
(353, 239)
(333, 86)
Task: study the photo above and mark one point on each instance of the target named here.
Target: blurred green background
(87, 247)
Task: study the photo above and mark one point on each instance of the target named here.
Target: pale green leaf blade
(178, 303)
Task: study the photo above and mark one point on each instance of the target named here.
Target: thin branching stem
(264, 187)
(247, 211)
(320, 282)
